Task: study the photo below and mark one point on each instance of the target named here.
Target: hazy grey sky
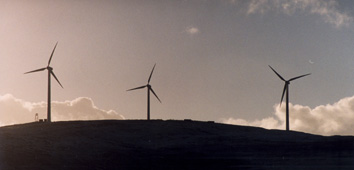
(212, 55)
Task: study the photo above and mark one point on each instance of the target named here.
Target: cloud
(14, 111)
(327, 9)
(330, 119)
(192, 30)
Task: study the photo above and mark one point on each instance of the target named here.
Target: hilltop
(170, 144)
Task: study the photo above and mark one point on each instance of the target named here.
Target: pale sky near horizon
(211, 56)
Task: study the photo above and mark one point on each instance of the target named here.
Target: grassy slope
(137, 144)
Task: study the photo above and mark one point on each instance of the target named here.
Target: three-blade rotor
(50, 69)
(287, 82)
(148, 85)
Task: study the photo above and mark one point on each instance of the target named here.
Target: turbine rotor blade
(282, 96)
(299, 77)
(41, 69)
(151, 73)
(277, 74)
(137, 88)
(51, 72)
(155, 95)
(50, 59)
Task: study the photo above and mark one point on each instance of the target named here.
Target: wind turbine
(286, 88)
(149, 88)
(50, 72)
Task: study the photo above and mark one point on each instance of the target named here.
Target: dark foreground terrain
(157, 144)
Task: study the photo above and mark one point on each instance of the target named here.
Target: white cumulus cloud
(192, 30)
(327, 9)
(14, 111)
(330, 119)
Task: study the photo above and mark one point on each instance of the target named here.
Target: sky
(211, 58)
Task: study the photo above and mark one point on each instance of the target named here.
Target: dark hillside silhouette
(157, 144)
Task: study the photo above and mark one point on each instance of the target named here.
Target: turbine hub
(50, 68)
